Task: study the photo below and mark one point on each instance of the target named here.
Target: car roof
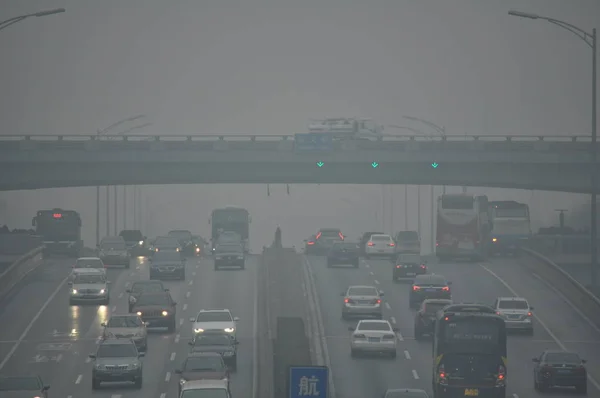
(511, 299)
(112, 239)
(362, 286)
(117, 342)
(555, 351)
(147, 282)
(374, 321)
(91, 271)
(385, 235)
(329, 229)
(204, 354)
(214, 310)
(204, 384)
(123, 316)
(89, 258)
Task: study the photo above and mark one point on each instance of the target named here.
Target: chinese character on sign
(308, 387)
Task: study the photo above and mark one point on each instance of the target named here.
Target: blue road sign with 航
(313, 142)
(308, 381)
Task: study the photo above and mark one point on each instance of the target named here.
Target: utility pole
(116, 210)
(97, 216)
(405, 207)
(419, 210)
(124, 206)
(107, 211)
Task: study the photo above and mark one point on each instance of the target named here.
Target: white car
(90, 286)
(517, 313)
(205, 388)
(219, 320)
(373, 336)
(89, 263)
(380, 245)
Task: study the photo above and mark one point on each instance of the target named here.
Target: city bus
(469, 354)
(60, 230)
(231, 219)
(511, 226)
(462, 227)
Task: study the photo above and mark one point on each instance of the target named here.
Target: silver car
(373, 336)
(516, 312)
(362, 301)
(127, 326)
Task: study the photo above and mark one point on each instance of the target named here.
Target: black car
(157, 310)
(230, 255)
(344, 253)
(117, 360)
(25, 386)
(216, 342)
(408, 266)
(166, 244)
(425, 317)
(167, 265)
(135, 242)
(430, 286)
(555, 368)
(139, 287)
(365, 238)
(185, 239)
(325, 239)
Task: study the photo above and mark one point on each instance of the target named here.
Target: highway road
(42, 334)
(557, 324)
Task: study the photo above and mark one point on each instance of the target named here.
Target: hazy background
(250, 66)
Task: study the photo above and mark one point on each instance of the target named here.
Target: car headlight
(102, 291)
(177, 249)
(228, 354)
(197, 250)
(229, 330)
(134, 365)
(165, 313)
(182, 381)
(139, 313)
(109, 334)
(198, 330)
(99, 367)
(156, 250)
(141, 242)
(74, 291)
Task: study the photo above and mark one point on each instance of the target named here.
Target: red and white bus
(462, 226)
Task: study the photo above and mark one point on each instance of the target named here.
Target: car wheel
(418, 334)
(393, 354)
(356, 264)
(172, 326)
(581, 388)
(353, 354)
(328, 264)
(243, 266)
(138, 383)
(344, 316)
(71, 302)
(95, 384)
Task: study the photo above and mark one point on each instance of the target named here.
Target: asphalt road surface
(41, 333)
(557, 325)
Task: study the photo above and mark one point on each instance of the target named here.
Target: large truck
(463, 227)
(61, 231)
(231, 219)
(511, 226)
(346, 128)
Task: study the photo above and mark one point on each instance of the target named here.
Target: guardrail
(19, 269)
(564, 283)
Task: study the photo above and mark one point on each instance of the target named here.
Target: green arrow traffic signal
(320, 164)
(374, 165)
(434, 165)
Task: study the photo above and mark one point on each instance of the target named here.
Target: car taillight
(446, 289)
(442, 374)
(371, 244)
(423, 266)
(399, 266)
(348, 301)
(437, 244)
(310, 243)
(318, 235)
(391, 244)
(376, 301)
(501, 377)
(529, 314)
(341, 236)
(359, 336)
(389, 337)
(580, 369)
(498, 313)
(546, 368)
(415, 288)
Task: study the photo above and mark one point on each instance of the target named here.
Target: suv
(117, 360)
(135, 241)
(185, 239)
(516, 312)
(157, 310)
(408, 242)
(408, 266)
(113, 251)
(325, 239)
(228, 255)
(430, 286)
(343, 253)
(425, 317)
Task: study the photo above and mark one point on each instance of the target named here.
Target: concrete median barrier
(14, 273)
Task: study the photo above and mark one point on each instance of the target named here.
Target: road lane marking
(187, 295)
(168, 377)
(542, 323)
(184, 307)
(115, 396)
(368, 266)
(193, 273)
(127, 284)
(88, 360)
(78, 380)
(163, 395)
(120, 295)
(172, 356)
(132, 274)
(33, 320)
(399, 335)
(407, 354)
(114, 308)
(393, 320)
(515, 396)
(181, 322)
(371, 273)
(376, 282)
(177, 337)
(387, 305)
(415, 374)
(191, 282)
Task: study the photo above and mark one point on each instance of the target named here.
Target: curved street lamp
(5, 24)
(590, 40)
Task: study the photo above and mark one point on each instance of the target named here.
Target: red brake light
(446, 288)
(318, 236)
(57, 215)
(310, 242)
(497, 312)
(529, 314)
(446, 318)
(423, 266)
(391, 244)
(415, 288)
(437, 244)
(371, 244)
(341, 236)
(378, 301)
(398, 266)
(346, 300)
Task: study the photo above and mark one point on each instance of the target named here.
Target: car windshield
(116, 351)
(164, 241)
(204, 363)
(89, 279)
(181, 235)
(89, 263)
(17, 383)
(405, 394)
(166, 256)
(409, 259)
(214, 316)
(407, 236)
(345, 246)
(212, 339)
(153, 299)
(380, 238)
(205, 393)
(230, 248)
(113, 246)
(124, 322)
(363, 291)
(432, 308)
(513, 305)
(132, 236)
(147, 287)
(330, 233)
(383, 326)
(562, 357)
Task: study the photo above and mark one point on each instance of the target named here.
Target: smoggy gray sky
(250, 66)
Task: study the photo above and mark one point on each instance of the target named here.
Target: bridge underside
(539, 176)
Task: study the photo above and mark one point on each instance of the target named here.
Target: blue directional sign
(308, 381)
(313, 142)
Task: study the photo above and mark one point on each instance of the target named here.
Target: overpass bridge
(556, 163)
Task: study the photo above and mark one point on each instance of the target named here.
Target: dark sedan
(202, 366)
(216, 342)
(23, 386)
(139, 287)
(408, 266)
(425, 317)
(157, 310)
(429, 287)
(166, 244)
(186, 240)
(343, 253)
(230, 255)
(166, 264)
(560, 369)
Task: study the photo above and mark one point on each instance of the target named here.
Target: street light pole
(98, 216)
(107, 211)
(116, 210)
(591, 40)
(6, 23)
(124, 206)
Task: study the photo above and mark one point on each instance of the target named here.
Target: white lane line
(127, 284)
(115, 396)
(78, 379)
(407, 354)
(98, 339)
(415, 374)
(33, 320)
(515, 396)
(88, 360)
(193, 273)
(393, 320)
(69, 396)
(120, 295)
(173, 356)
(376, 282)
(184, 307)
(197, 266)
(177, 337)
(255, 338)
(187, 295)
(181, 322)
(191, 283)
(399, 335)
(368, 266)
(542, 323)
(387, 305)
(163, 395)
(371, 273)
(132, 274)
(168, 377)
(114, 308)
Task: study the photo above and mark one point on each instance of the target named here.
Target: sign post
(308, 381)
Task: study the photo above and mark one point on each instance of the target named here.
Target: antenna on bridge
(561, 217)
